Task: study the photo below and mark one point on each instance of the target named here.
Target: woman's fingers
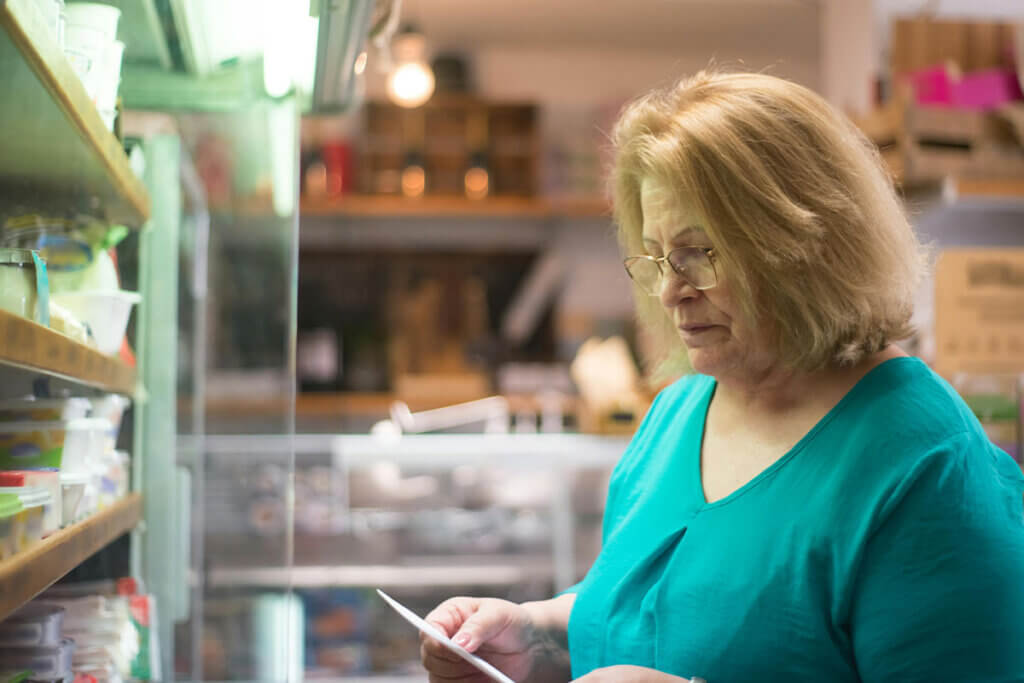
(450, 614)
(488, 622)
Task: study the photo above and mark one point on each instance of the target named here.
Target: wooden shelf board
(53, 143)
(26, 344)
(993, 188)
(34, 569)
(451, 207)
(349, 404)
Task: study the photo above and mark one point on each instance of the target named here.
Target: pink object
(932, 86)
(986, 89)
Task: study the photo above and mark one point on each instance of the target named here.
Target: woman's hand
(525, 641)
(633, 674)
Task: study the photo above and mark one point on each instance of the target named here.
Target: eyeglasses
(693, 264)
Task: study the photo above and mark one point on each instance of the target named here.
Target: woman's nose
(675, 288)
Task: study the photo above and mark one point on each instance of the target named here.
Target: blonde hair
(802, 215)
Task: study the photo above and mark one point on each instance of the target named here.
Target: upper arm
(940, 590)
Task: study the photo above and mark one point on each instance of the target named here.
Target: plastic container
(35, 502)
(35, 624)
(31, 445)
(90, 30)
(44, 409)
(105, 312)
(65, 445)
(53, 14)
(10, 507)
(20, 283)
(46, 479)
(72, 489)
(47, 662)
(111, 407)
(108, 78)
(94, 16)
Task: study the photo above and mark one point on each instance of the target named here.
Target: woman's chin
(706, 361)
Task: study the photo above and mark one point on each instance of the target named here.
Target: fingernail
(462, 639)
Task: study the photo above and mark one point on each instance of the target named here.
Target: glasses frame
(709, 252)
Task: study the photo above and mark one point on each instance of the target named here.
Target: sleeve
(939, 594)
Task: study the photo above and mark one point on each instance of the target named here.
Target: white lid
(31, 496)
(72, 478)
(78, 424)
(31, 426)
(84, 423)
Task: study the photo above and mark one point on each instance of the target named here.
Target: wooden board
(26, 344)
(54, 148)
(31, 571)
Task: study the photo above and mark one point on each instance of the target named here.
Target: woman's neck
(777, 390)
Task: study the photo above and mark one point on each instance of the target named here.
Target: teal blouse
(887, 545)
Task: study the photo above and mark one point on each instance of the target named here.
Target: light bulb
(411, 84)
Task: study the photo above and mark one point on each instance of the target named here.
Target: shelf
(36, 349)
(467, 571)
(33, 570)
(986, 188)
(53, 143)
(365, 206)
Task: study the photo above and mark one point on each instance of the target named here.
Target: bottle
(477, 179)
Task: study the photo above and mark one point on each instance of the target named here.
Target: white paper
(436, 634)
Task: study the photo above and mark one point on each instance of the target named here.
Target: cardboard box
(979, 311)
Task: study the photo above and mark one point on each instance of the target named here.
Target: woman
(812, 504)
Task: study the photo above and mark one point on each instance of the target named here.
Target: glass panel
(236, 342)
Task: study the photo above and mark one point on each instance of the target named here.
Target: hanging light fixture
(411, 81)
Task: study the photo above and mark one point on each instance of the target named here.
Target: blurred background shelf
(31, 349)
(493, 570)
(365, 206)
(53, 143)
(33, 570)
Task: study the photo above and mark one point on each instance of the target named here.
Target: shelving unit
(28, 347)
(57, 156)
(369, 206)
(33, 570)
(53, 144)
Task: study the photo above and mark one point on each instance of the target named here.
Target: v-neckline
(695, 449)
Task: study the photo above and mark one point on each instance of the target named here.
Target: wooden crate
(923, 145)
(446, 135)
(918, 43)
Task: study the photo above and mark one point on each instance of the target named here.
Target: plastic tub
(72, 489)
(65, 445)
(46, 479)
(93, 16)
(108, 78)
(105, 312)
(111, 408)
(85, 443)
(45, 661)
(44, 410)
(35, 502)
(20, 283)
(10, 507)
(30, 445)
(53, 11)
(35, 624)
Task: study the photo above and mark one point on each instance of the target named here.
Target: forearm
(549, 639)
